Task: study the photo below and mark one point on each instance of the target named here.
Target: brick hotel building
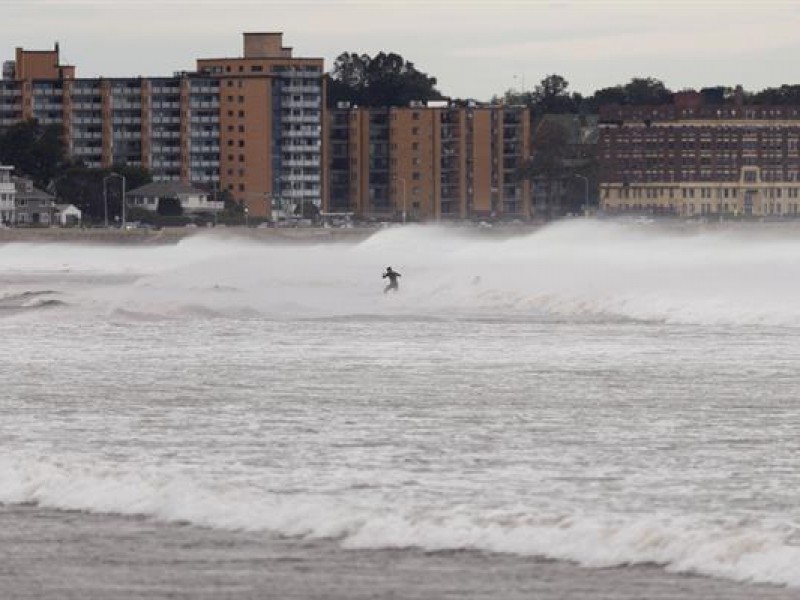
(694, 159)
(250, 125)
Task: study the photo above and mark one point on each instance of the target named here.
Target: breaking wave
(736, 549)
(580, 269)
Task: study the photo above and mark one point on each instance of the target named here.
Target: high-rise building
(251, 125)
(428, 162)
(695, 158)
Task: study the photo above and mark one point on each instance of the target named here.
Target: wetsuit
(392, 275)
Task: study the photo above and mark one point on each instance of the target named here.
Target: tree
(647, 90)
(83, 187)
(786, 94)
(34, 150)
(555, 164)
(383, 80)
(551, 96)
(639, 90)
(169, 207)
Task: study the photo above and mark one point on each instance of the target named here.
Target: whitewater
(601, 393)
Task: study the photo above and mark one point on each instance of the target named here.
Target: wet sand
(60, 555)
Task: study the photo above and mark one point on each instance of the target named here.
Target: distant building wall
(429, 162)
(693, 160)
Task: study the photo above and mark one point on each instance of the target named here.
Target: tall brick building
(692, 158)
(429, 162)
(250, 125)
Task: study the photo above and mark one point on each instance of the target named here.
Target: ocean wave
(742, 550)
(14, 302)
(578, 270)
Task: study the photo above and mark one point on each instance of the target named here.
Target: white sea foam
(578, 269)
(733, 550)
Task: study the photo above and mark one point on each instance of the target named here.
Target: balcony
(300, 163)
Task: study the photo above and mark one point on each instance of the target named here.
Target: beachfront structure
(693, 158)
(428, 161)
(8, 193)
(250, 126)
(67, 215)
(192, 199)
(32, 206)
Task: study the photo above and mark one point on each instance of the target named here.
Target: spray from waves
(573, 270)
(731, 550)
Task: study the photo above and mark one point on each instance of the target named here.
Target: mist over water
(593, 392)
(578, 269)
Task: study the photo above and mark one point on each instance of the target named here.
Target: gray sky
(476, 48)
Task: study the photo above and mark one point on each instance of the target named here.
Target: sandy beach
(56, 555)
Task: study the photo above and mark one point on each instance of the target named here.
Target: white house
(68, 214)
(8, 192)
(192, 199)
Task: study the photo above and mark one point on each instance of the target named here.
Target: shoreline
(174, 235)
(51, 555)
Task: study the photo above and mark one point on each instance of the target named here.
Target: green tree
(382, 80)
(785, 94)
(551, 96)
(170, 207)
(83, 187)
(33, 150)
(557, 167)
(647, 90)
(639, 90)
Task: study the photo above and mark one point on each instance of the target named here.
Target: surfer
(392, 275)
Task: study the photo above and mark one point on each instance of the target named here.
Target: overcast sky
(475, 48)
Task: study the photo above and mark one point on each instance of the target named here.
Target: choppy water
(591, 392)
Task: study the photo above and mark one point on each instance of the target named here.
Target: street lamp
(105, 196)
(585, 192)
(246, 217)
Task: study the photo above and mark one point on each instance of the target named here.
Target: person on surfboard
(392, 275)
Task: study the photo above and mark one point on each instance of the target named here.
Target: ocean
(591, 404)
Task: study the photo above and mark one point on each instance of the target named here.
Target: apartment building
(8, 192)
(250, 125)
(435, 161)
(693, 158)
